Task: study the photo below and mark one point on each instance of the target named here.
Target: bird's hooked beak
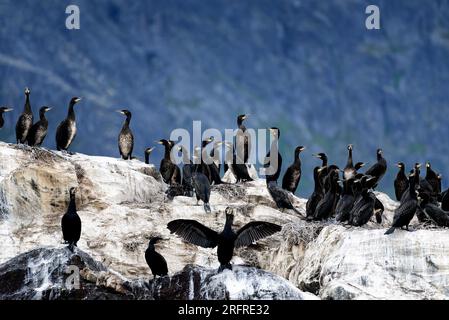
(149, 150)
(48, 109)
(159, 141)
(398, 165)
(78, 100)
(120, 111)
(8, 109)
(245, 116)
(427, 164)
(210, 139)
(27, 90)
(418, 165)
(350, 147)
(302, 149)
(316, 155)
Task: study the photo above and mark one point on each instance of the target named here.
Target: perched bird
(2, 111)
(155, 260)
(215, 166)
(378, 210)
(346, 202)
(406, 210)
(349, 171)
(200, 155)
(25, 120)
(198, 234)
(71, 223)
(242, 139)
(187, 171)
(323, 157)
(401, 182)
(170, 172)
(359, 165)
(125, 137)
(293, 174)
(201, 186)
(378, 169)
(38, 131)
(66, 131)
(363, 208)
(326, 207)
(317, 194)
(273, 170)
(147, 154)
(432, 178)
(281, 197)
(439, 216)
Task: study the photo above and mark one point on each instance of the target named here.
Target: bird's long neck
(412, 187)
(147, 158)
(27, 108)
(402, 171)
(228, 224)
(151, 247)
(324, 159)
(71, 113)
(72, 205)
(167, 152)
(127, 121)
(349, 163)
(379, 156)
(42, 116)
(296, 158)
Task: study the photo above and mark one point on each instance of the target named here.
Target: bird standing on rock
(401, 182)
(198, 234)
(2, 111)
(66, 131)
(125, 137)
(25, 120)
(378, 169)
(155, 260)
(38, 131)
(242, 139)
(273, 168)
(281, 197)
(71, 223)
(293, 174)
(170, 172)
(349, 171)
(317, 194)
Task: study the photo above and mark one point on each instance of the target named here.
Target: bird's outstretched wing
(194, 232)
(253, 231)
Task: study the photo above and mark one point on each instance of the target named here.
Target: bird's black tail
(207, 208)
(390, 231)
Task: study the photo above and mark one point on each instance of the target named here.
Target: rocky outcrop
(122, 204)
(57, 273)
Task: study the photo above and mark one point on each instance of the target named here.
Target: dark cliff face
(43, 274)
(308, 67)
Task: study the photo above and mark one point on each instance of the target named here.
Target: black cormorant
(432, 178)
(323, 157)
(147, 154)
(439, 216)
(71, 222)
(215, 166)
(198, 234)
(169, 171)
(359, 165)
(66, 131)
(326, 207)
(242, 139)
(346, 202)
(406, 210)
(317, 194)
(378, 169)
(125, 137)
(293, 174)
(200, 156)
(349, 171)
(25, 120)
(273, 169)
(2, 111)
(187, 170)
(401, 182)
(155, 260)
(363, 208)
(202, 189)
(38, 131)
(281, 197)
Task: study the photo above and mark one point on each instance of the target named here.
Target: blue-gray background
(308, 67)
